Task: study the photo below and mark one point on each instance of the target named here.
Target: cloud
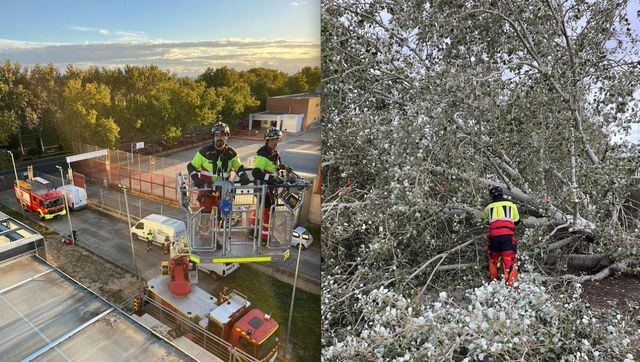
(183, 58)
(82, 28)
(298, 3)
(90, 29)
(131, 36)
(6, 44)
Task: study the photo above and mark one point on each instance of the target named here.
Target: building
(292, 113)
(46, 315)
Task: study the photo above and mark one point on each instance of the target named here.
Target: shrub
(34, 152)
(493, 323)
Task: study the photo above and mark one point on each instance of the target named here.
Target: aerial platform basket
(236, 231)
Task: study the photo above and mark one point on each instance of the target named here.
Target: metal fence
(180, 326)
(145, 174)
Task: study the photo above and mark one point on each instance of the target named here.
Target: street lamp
(293, 294)
(66, 206)
(15, 172)
(133, 251)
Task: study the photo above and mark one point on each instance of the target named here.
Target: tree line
(107, 106)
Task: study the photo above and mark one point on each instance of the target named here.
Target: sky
(184, 37)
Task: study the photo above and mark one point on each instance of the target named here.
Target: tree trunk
(40, 138)
(20, 141)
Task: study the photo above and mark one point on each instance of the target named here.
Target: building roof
(44, 314)
(13, 232)
(299, 96)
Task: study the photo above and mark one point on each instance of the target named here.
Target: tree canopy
(428, 103)
(107, 106)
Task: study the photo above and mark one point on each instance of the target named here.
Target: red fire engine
(40, 199)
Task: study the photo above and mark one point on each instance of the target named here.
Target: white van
(222, 269)
(76, 196)
(160, 226)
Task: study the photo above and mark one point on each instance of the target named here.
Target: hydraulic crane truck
(227, 234)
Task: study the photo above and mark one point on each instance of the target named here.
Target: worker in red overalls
(267, 166)
(502, 215)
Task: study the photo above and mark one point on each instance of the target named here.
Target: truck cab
(255, 333)
(250, 330)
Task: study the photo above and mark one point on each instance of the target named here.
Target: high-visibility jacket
(149, 236)
(267, 162)
(502, 216)
(215, 165)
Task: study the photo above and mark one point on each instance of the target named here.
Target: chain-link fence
(145, 174)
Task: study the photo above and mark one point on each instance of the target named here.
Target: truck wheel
(134, 236)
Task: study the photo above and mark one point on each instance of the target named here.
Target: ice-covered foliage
(490, 322)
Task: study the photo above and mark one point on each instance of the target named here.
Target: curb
(109, 211)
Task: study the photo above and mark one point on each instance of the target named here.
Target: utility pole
(66, 206)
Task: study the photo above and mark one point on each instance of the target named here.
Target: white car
(222, 269)
(301, 236)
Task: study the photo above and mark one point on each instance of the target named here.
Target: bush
(34, 152)
(493, 323)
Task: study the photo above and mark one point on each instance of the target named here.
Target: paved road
(47, 166)
(108, 236)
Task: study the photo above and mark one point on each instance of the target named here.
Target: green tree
(312, 77)
(17, 99)
(265, 83)
(221, 77)
(8, 126)
(45, 88)
(84, 112)
(237, 101)
(297, 83)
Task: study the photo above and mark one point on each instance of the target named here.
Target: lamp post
(293, 294)
(133, 251)
(15, 172)
(66, 206)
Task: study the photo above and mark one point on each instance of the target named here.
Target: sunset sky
(184, 37)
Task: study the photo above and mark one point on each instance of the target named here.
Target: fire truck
(229, 320)
(37, 197)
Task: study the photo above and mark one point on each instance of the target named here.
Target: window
(140, 226)
(246, 346)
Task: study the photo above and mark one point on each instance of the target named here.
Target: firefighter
(214, 162)
(265, 169)
(166, 245)
(149, 240)
(502, 216)
(224, 296)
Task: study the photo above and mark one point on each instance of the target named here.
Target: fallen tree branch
(517, 194)
(619, 267)
(587, 261)
(441, 255)
(456, 266)
(566, 241)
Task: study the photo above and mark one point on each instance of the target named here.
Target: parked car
(301, 236)
(222, 269)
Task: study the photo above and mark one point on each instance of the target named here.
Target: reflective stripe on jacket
(502, 216)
